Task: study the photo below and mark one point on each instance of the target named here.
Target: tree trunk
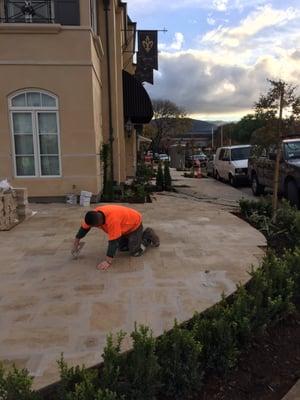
(278, 157)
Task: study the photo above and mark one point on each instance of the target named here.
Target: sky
(216, 56)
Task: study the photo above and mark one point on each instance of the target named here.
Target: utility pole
(221, 135)
(212, 137)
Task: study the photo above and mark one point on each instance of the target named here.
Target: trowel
(76, 250)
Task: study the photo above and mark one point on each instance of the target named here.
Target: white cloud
(178, 41)
(210, 21)
(203, 84)
(220, 5)
(262, 18)
(176, 44)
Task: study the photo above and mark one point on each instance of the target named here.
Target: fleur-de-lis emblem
(147, 44)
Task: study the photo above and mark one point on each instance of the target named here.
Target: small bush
(86, 391)
(272, 288)
(284, 233)
(179, 357)
(216, 332)
(262, 206)
(75, 379)
(144, 173)
(159, 178)
(142, 369)
(167, 177)
(112, 362)
(16, 385)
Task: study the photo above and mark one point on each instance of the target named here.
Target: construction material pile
(13, 206)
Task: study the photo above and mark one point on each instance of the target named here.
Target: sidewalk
(208, 190)
(50, 303)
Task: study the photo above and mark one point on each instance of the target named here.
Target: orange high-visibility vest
(119, 220)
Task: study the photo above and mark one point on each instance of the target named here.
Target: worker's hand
(104, 265)
(76, 244)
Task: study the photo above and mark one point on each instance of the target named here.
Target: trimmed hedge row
(174, 365)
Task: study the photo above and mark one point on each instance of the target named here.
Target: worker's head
(94, 218)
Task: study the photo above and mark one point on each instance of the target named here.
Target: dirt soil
(266, 371)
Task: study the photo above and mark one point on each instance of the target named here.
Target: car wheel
(256, 187)
(293, 194)
(232, 180)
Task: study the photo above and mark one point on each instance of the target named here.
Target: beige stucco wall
(66, 63)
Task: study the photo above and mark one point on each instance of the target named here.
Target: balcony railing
(27, 11)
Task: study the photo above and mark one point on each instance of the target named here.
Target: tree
(244, 129)
(168, 120)
(271, 107)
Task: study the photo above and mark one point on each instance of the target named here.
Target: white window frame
(35, 132)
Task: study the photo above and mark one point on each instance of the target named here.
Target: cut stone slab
(51, 304)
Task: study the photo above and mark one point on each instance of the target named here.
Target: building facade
(62, 94)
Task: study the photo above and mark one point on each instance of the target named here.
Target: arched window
(35, 133)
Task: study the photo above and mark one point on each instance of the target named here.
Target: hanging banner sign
(147, 48)
(144, 73)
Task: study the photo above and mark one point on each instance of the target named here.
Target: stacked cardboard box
(8, 210)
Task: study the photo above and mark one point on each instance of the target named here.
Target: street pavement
(210, 190)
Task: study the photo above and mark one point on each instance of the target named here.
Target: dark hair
(92, 218)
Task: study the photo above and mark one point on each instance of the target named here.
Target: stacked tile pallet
(13, 207)
(8, 210)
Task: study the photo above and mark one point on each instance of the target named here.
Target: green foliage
(110, 377)
(71, 377)
(293, 263)
(263, 206)
(215, 331)
(16, 385)
(167, 176)
(244, 129)
(282, 234)
(159, 178)
(142, 368)
(179, 357)
(105, 154)
(87, 391)
(144, 173)
(272, 288)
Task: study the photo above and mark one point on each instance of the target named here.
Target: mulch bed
(266, 370)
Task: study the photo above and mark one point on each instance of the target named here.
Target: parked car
(231, 163)
(210, 165)
(192, 160)
(163, 157)
(262, 166)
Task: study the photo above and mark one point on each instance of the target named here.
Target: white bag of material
(4, 185)
(85, 198)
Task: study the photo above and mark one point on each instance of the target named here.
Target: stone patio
(51, 304)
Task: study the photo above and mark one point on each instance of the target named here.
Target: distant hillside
(199, 126)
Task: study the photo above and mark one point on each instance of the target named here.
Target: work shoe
(140, 251)
(150, 238)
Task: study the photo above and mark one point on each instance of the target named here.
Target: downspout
(111, 131)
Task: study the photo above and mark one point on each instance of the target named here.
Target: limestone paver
(50, 303)
(294, 393)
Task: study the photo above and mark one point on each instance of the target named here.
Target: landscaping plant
(112, 362)
(179, 357)
(142, 368)
(159, 178)
(167, 177)
(16, 385)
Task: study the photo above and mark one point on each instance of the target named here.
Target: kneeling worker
(124, 228)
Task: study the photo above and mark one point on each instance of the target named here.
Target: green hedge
(174, 365)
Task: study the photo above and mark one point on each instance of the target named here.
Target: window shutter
(67, 12)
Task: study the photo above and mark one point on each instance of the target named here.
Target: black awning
(137, 103)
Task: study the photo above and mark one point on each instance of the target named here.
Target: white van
(231, 163)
